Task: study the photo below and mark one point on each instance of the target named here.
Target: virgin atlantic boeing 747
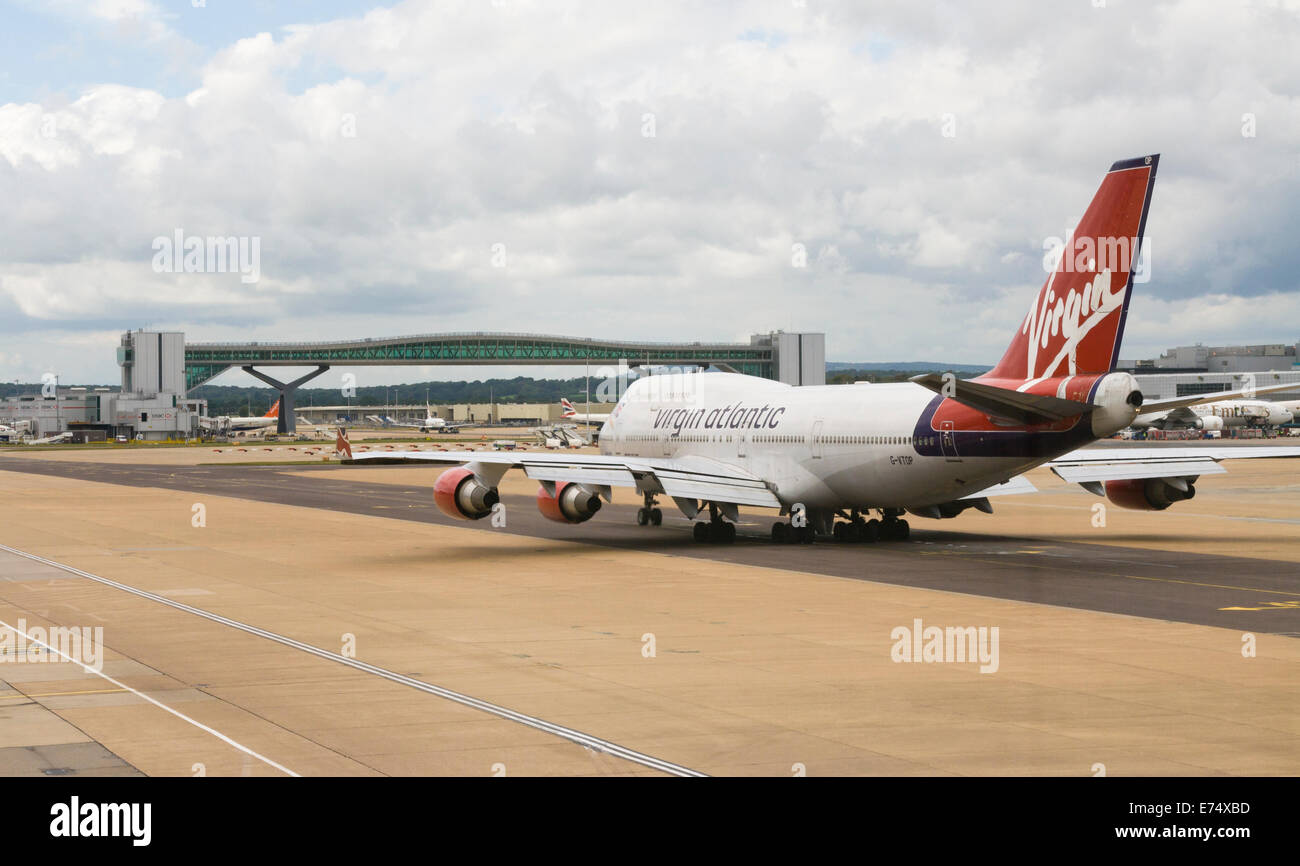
(851, 460)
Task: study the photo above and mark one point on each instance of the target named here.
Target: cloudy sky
(639, 171)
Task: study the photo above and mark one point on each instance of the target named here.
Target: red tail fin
(1077, 318)
(342, 448)
(274, 411)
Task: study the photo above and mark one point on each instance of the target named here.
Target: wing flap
(1019, 484)
(693, 488)
(1170, 468)
(616, 476)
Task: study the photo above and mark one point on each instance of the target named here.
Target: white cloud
(380, 158)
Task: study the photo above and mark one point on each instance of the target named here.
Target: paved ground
(1201, 587)
(752, 659)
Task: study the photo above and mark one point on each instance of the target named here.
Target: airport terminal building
(1187, 370)
(150, 405)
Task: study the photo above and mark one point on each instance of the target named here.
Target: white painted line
(587, 740)
(213, 731)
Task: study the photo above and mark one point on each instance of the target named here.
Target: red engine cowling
(572, 503)
(458, 494)
(1149, 494)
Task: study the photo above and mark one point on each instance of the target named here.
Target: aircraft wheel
(903, 531)
(853, 532)
(781, 533)
(701, 532)
(656, 516)
(642, 517)
(840, 532)
(871, 531)
(726, 533)
(805, 535)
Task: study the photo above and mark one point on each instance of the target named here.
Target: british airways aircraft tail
(1076, 321)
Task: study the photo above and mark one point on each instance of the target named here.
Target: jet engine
(1149, 494)
(1209, 422)
(458, 494)
(571, 503)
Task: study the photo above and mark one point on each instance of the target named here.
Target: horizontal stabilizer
(1016, 406)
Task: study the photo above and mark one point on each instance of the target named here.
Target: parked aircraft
(1222, 414)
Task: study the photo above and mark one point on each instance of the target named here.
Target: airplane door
(948, 442)
(817, 440)
(740, 444)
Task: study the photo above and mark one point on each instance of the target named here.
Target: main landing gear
(854, 529)
(784, 533)
(715, 530)
(650, 513)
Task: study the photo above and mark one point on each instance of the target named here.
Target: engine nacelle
(1209, 422)
(1119, 402)
(572, 503)
(1149, 494)
(458, 494)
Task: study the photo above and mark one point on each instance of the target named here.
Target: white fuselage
(827, 446)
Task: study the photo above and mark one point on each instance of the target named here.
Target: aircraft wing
(1091, 466)
(690, 478)
(1157, 406)
(1018, 484)
(1181, 415)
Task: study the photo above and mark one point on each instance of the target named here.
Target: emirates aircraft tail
(1076, 320)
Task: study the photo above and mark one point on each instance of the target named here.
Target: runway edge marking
(561, 731)
(213, 731)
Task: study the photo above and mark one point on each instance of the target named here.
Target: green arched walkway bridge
(206, 361)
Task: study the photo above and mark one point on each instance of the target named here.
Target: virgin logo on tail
(1076, 320)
